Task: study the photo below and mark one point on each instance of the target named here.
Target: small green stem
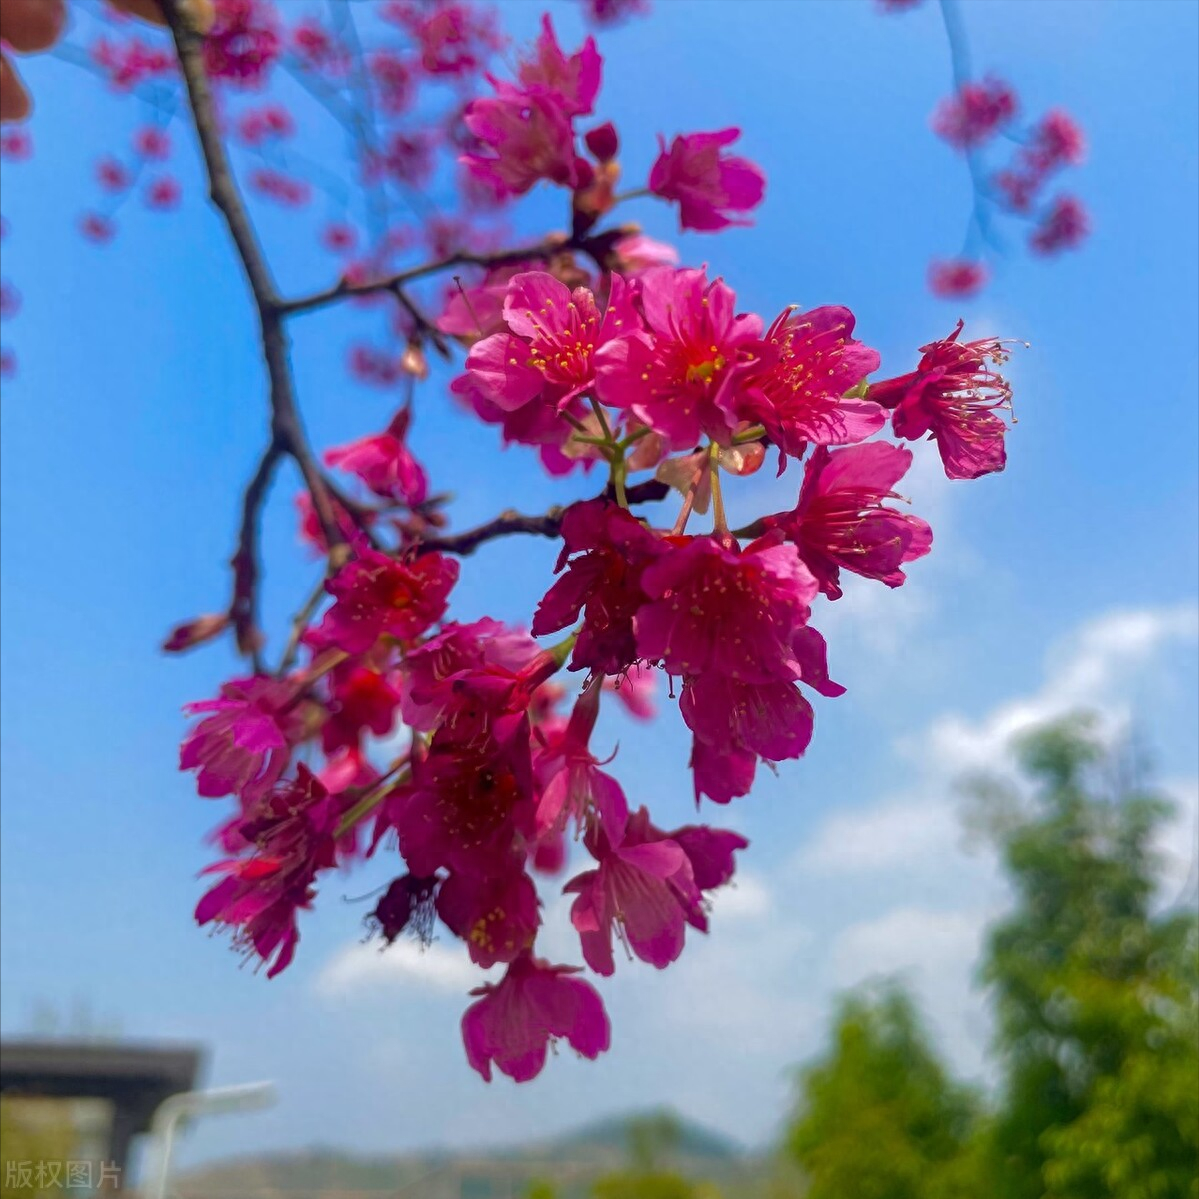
(372, 799)
(720, 525)
(754, 434)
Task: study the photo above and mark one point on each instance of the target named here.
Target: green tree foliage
(1094, 992)
(879, 1117)
(1096, 998)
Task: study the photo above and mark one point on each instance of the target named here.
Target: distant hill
(571, 1161)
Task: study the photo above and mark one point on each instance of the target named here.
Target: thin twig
(243, 610)
(287, 433)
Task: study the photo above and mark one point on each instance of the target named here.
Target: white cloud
(405, 965)
(746, 898)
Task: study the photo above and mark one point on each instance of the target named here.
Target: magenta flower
(1057, 141)
(459, 651)
(163, 194)
(798, 391)
(721, 775)
(643, 889)
(1065, 226)
(952, 396)
(112, 175)
(710, 852)
(376, 596)
(573, 83)
(360, 700)
(152, 142)
(453, 39)
(385, 463)
(956, 278)
(679, 376)
(721, 610)
(259, 896)
(497, 916)
(573, 788)
(708, 184)
(553, 340)
(530, 138)
(514, 1020)
(841, 521)
(974, 113)
(604, 553)
(244, 746)
(243, 42)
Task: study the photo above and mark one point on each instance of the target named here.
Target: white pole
(190, 1105)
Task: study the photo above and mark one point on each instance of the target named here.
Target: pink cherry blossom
(679, 376)
(513, 1022)
(572, 82)
(952, 397)
(243, 42)
(1065, 226)
(496, 916)
(841, 522)
(717, 609)
(376, 595)
(798, 389)
(605, 550)
(243, 747)
(384, 463)
(707, 183)
(974, 113)
(956, 278)
(548, 356)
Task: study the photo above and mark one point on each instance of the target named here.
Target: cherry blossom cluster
(398, 726)
(979, 115)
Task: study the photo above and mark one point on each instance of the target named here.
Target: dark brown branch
(287, 434)
(547, 524)
(243, 611)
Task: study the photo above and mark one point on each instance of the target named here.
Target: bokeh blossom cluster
(393, 724)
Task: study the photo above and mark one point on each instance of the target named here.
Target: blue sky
(1070, 579)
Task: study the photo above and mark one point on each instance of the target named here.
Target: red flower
(956, 278)
(1065, 226)
(967, 119)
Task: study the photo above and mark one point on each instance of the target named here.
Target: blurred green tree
(879, 1117)
(1094, 990)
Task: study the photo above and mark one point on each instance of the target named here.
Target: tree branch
(243, 610)
(547, 524)
(287, 434)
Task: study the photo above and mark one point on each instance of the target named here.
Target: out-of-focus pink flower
(242, 747)
(163, 194)
(635, 689)
(258, 125)
(131, 61)
(612, 12)
(797, 391)
(360, 700)
(1057, 141)
(393, 81)
(974, 113)
(840, 520)
(316, 47)
(267, 181)
(1018, 188)
(680, 375)
(572, 83)
(243, 42)
(8, 363)
(453, 39)
(338, 237)
(152, 142)
(97, 228)
(384, 462)
(1065, 226)
(16, 145)
(112, 175)
(10, 301)
(310, 526)
(952, 396)
(514, 1021)
(708, 184)
(376, 596)
(408, 157)
(603, 142)
(956, 278)
(637, 253)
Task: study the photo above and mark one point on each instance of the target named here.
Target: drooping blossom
(152, 142)
(130, 61)
(1057, 141)
(717, 609)
(393, 81)
(497, 916)
(956, 278)
(258, 125)
(554, 337)
(243, 744)
(385, 463)
(797, 390)
(243, 42)
(1065, 226)
(453, 39)
(975, 112)
(603, 142)
(376, 595)
(605, 550)
(313, 535)
(574, 790)
(260, 896)
(379, 368)
(707, 184)
(635, 689)
(360, 700)
(643, 890)
(513, 1022)
(112, 175)
(408, 157)
(841, 520)
(316, 47)
(16, 145)
(952, 397)
(679, 375)
(97, 228)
